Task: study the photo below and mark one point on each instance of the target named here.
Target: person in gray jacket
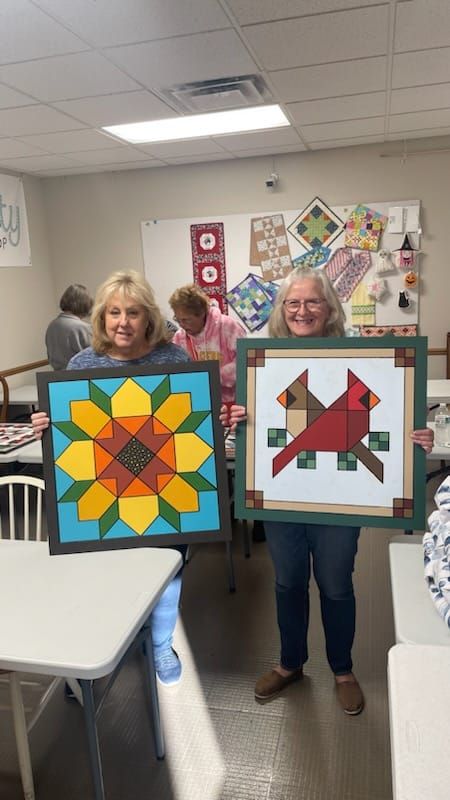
(69, 332)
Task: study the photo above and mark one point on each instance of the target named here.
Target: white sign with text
(14, 239)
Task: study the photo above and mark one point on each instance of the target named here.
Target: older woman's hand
(424, 438)
(230, 416)
(40, 422)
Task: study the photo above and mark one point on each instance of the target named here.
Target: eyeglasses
(292, 306)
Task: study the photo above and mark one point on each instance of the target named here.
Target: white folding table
(419, 706)
(78, 616)
(438, 391)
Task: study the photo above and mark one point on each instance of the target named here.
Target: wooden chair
(32, 494)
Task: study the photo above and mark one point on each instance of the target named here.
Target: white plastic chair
(32, 493)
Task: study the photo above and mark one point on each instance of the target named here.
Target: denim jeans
(332, 550)
(164, 615)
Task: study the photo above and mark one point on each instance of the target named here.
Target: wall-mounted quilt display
(208, 261)
(363, 306)
(269, 247)
(225, 250)
(134, 457)
(383, 330)
(252, 300)
(327, 437)
(364, 227)
(316, 225)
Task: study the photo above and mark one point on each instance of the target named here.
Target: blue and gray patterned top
(164, 354)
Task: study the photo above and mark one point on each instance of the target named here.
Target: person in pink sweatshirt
(207, 334)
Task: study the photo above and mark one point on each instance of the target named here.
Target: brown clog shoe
(272, 683)
(350, 696)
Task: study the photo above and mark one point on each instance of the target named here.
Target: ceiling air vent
(219, 94)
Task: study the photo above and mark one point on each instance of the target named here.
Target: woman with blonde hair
(128, 328)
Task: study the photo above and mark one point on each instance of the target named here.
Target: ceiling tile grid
(346, 72)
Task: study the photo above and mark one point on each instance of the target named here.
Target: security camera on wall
(271, 181)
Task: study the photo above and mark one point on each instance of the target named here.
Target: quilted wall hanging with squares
(316, 225)
(134, 456)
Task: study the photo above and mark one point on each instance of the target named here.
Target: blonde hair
(127, 284)
(334, 325)
(191, 298)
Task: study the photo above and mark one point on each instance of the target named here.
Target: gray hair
(334, 325)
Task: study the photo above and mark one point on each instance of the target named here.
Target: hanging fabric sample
(251, 302)
(208, 261)
(315, 257)
(363, 228)
(353, 273)
(363, 306)
(382, 330)
(316, 225)
(269, 248)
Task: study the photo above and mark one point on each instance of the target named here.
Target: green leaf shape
(160, 394)
(192, 422)
(108, 519)
(76, 491)
(100, 399)
(72, 431)
(197, 481)
(169, 514)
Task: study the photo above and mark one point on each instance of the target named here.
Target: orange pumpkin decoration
(410, 279)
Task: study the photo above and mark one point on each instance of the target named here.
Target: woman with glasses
(207, 334)
(307, 305)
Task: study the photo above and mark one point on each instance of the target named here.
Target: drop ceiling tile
(342, 130)
(9, 98)
(248, 11)
(184, 59)
(414, 99)
(70, 141)
(83, 170)
(117, 155)
(115, 109)
(420, 120)
(35, 163)
(270, 151)
(190, 147)
(26, 33)
(256, 139)
(338, 108)
(418, 69)
(321, 39)
(433, 133)
(329, 80)
(422, 25)
(111, 22)
(329, 144)
(13, 148)
(201, 159)
(34, 119)
(67, 77)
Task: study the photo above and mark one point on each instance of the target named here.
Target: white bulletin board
(168, 256)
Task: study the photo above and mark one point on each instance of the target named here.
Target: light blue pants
(164, 615)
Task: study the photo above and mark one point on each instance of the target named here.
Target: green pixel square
(347, 461)
(306, 459)
(379, 440)
(276, 437)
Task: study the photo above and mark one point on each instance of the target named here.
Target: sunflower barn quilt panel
(134, 457)
(327, 437)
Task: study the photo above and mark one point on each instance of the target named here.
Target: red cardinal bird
(338, 428)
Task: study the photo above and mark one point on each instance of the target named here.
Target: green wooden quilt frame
(326, 439)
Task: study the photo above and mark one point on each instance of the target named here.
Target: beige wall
(94, 220)
(28, 299)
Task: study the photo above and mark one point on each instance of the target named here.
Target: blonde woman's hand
(40, 422)
(424, 438)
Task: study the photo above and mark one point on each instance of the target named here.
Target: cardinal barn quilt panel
(134, 457)
(327, 437)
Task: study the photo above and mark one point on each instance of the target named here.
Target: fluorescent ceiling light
(196, 126)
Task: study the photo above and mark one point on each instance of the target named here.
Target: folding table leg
(92, 735)
(154, 700)
(231, 580)
(20, 728)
